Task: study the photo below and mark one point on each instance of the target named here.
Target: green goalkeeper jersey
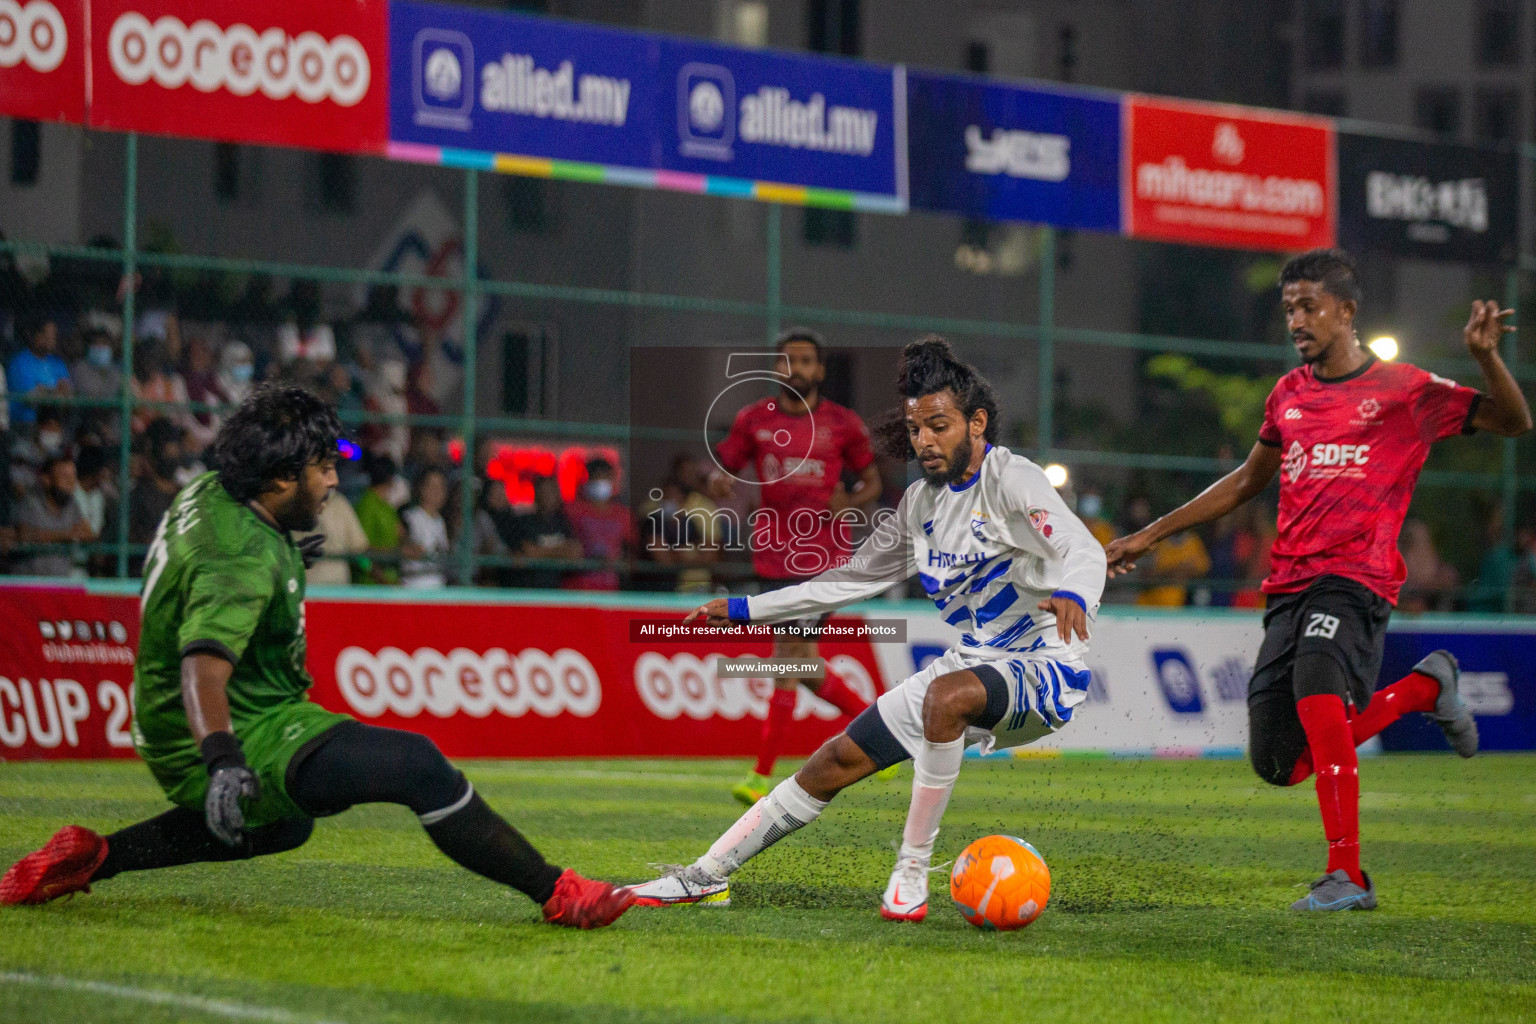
(218, 579)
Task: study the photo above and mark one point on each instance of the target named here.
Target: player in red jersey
(1348, 434)
(798, 443)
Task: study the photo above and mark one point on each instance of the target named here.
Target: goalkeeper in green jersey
(222, 718)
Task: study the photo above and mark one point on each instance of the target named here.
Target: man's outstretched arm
(1503, 410)
(1215, 501)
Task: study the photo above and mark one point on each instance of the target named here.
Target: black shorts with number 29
(1334, 616)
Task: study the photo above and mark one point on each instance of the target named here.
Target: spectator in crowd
(5, 466)
(341, 388)
(202, 383)
(1137, 513)
(1432, 581)
(1490, 591)
(381, 524)
(97, 375)
(1090, 509)
(543, 532)
(154, 490)
(47, 438)
(682, 527)
(426, 452)
(1174, 563)
(50, 515)
(96, 493)
(37, 371)
(344, 541)
(424, 541)
(155, 381)
(493, 527)
(237, 371)
(604, 527)
(384, 392)
(1525, 569)
(419, 400)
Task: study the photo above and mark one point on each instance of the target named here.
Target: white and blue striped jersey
(987, 551)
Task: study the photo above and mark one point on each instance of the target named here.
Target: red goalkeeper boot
(63, 866)
(585, 902)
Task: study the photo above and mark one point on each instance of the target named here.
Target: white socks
(936, 768)
(772, 818)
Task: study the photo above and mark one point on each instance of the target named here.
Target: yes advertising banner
(1436, 201)
(988, 149)
(1209, 174)
(278, 72)
(645, 108)
(42, 59)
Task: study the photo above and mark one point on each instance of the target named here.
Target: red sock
(781, 711)
(1413, 692)
(836, 692)
(1338, 779)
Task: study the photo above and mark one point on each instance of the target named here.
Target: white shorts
(1027, 697)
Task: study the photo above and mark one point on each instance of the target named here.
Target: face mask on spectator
(241, 373)
(599, 490)
(100, 355)
(50, 441)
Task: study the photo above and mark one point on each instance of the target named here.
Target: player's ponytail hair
(277, 431)
(928, 366)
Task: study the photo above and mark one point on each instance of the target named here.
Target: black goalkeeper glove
(311, 548)
(230, 780)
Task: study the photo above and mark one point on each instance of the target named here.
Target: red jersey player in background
(799, 444)
(1348, 434)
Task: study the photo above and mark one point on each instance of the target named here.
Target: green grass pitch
(1171, 880)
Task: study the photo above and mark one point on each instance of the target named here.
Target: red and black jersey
(798, 460)
(1353, 447)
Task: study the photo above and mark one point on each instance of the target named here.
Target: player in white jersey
(1004, 560)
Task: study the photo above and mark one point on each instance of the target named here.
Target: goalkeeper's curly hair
(277, 431)
(928, 366)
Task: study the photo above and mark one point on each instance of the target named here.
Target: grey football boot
(1334, 891)
(1451, 713)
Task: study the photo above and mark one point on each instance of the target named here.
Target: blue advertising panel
(466, 79)
(1009, 152)
(536, 96)
(1498, 679)
(777, 117)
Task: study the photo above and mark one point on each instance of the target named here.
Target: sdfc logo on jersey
(1295, 461)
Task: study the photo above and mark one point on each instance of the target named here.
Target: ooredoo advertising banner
(42, 59)
(276, 72)
(997, 151)
(1436, 201)
(1207, 174)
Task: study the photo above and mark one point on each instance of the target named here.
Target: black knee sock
(479, 839)
(180, 836)
(360, 764)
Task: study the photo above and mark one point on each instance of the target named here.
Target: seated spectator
(1431, 581)
(424, 544)
(154, 380)
(1172, 564)
(384, 393)
(1496, 571)
(237, 371)
(201, 380)
(381, 524)
(493, 525)
(36, 371)
(604, 527)
(50, 515)
(683, 527)
(98, 376)
(344, 541)
(543, 532)
(156, 487)
(97, 495)
(46, 439)
(1090, 509)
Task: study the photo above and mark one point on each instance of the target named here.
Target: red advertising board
(482, 680)
(1207, 174)
(42, 59)
(275, 72)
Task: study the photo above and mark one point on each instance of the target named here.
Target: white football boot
(683, 884)
(906, 896)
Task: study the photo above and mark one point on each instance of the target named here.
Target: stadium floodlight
(1385, 347)
(1056, 474)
